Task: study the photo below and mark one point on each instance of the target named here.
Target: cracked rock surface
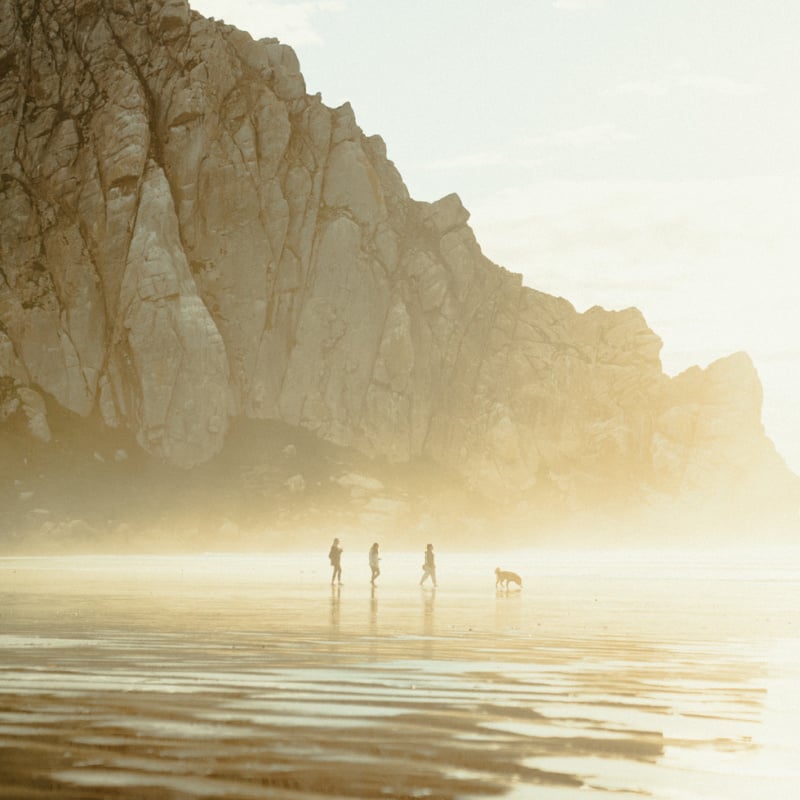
(187, 236)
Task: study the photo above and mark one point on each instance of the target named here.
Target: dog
(504, 577)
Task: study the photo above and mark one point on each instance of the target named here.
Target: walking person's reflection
(336, 596)
(428, 627)
(373, 611)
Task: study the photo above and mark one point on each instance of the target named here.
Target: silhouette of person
(374, 560)
(429, 567)
(335, 557)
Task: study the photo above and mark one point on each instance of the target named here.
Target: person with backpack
(335, 557)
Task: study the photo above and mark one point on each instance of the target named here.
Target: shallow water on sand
(661, 675)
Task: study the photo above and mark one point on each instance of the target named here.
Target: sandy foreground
(654, 675)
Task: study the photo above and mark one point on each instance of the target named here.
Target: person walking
(429, 567)
(335, 557)
(374, 560)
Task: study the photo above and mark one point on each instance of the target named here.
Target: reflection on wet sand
(336, 602)
(373, 611)
(188, 688)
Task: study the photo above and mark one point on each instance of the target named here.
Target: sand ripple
(310, 693)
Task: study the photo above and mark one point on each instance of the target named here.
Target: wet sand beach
(651, 675)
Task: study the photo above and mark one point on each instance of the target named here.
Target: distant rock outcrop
(186, 236)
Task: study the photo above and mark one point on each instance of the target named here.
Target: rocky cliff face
(186, 237)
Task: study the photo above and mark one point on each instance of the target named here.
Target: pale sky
(615, 152)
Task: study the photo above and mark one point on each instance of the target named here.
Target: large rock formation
(186, 236)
